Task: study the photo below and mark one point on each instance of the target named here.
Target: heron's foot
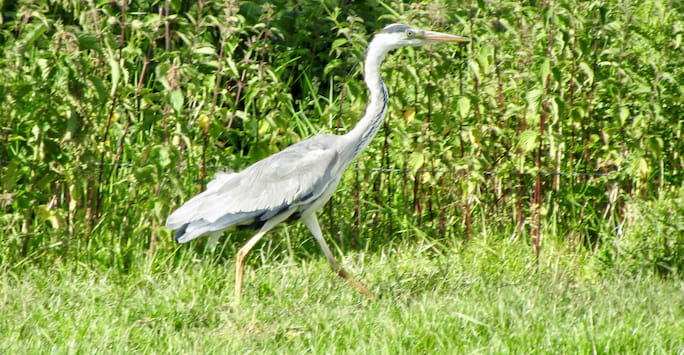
(345, 275)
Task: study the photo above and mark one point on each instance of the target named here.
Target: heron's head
(397, 35)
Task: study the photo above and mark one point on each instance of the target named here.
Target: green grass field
(476, 299)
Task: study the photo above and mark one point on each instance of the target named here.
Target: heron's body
(296, 182)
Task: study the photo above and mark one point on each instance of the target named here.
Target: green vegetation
(525, 194)
(477, 299)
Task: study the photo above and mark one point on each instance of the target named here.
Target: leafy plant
(548, 124)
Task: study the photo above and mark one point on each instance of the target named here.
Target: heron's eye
(409, 34)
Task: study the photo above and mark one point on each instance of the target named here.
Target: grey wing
(286, 179)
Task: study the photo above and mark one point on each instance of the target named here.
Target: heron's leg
(312, 222)
(213, 239)
(242, 253)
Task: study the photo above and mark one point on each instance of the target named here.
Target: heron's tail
(197, 228)
(180, 233)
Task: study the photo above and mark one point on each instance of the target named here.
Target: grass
(477, 299)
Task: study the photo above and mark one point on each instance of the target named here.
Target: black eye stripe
(395, 28)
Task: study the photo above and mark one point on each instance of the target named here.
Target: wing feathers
(286, 179)
(194, 229)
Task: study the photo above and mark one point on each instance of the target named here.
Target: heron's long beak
(431, 36)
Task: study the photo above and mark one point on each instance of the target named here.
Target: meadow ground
(473, 299)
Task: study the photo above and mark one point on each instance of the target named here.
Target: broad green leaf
(527, 140)
(553, 110)
(176, 99)
(533, 99)
(463, 106)
(415, 162)
(99, 88)
(409, 114)
(586, 69)
(545, 70)
(161, 71)
(48, 214)
(655, 145)
(88, 40)
(474, 69)
(641, 168)
(164, 156)
(208, 50)
(34, 34)
(624, 114)
(115, 73)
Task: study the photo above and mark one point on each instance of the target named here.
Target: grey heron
(296, 182)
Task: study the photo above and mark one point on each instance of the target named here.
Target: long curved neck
(368, 126)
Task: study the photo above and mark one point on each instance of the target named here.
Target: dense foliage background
(561, 120)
